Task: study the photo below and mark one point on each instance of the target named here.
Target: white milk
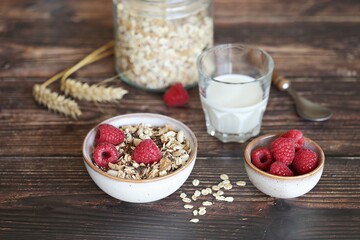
(234, 108)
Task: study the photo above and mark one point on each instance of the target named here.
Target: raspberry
(280, 169)
(108, 133)
(297, 136)
(105, 153)
(283, 150)
(261, 158)
(305, 161)
(176, 96)
(146, 152)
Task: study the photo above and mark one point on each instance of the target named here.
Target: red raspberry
(146, 152)
(283, 150)
(108, 133)
(305, 161)
(105, 153)
(261, 158)
(280, 169)
(176, 96)
(297, 136)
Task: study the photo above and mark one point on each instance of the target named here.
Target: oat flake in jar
(158, 41)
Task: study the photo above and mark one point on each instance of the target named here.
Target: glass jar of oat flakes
(157, 41)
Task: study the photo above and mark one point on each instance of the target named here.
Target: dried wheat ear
(78, 90)
(94, 92)
(56, 102)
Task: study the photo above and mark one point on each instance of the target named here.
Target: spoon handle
(280, 82)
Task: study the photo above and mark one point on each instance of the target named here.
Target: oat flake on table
(218, 195)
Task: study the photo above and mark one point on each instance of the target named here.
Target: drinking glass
(234, 86)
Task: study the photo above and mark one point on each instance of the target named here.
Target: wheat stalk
(96, 93)
(84, 91)
(60, 103)
(56, 102)
(98, 54)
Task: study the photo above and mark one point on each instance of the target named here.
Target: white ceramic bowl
(140, 191)
(278, 186)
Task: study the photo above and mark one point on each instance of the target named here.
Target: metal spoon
(306, 109)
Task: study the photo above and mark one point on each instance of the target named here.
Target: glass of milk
(234, 86)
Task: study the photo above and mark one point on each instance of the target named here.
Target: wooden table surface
(45, 191)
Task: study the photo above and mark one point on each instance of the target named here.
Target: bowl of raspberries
(285, 165)
(140, 157)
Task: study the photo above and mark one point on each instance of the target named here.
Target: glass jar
(157, 42)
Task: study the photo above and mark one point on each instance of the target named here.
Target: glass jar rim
(169, 9)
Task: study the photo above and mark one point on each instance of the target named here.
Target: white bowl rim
(252, 166)
(152, 115)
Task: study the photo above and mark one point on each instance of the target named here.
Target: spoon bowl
(309, 110)
(305, 108)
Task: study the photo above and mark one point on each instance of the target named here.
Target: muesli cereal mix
(173, 144)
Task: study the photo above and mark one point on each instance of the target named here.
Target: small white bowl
(279, 186)
(147, 190)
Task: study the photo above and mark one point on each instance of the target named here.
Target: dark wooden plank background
(45, 191)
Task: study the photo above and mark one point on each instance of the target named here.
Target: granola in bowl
(173, 144)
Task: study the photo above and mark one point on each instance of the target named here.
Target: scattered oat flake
(197, 193)
(188, 206)
(183, 195)
(228, 186)
(224, 177)
(215, 188)
(196, 182)
(220, 192)
(207, 203)
(220, 198)
(194, 198)
(195, 212)
(202, 212)
(186, 200)
(226, 181)
(204, 192)
(241, 183)
(229, 199)
(194, 220)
